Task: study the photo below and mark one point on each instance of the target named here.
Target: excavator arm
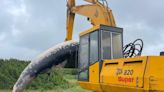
(96, 12)
(70, 20)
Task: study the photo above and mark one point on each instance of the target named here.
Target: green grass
(58, 89)
(70, 85)
(73, 89)
(57, 80)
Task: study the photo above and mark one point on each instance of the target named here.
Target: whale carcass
(44, 62)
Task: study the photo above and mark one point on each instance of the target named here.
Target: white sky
(28, 27)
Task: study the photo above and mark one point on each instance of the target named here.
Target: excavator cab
(97, 44)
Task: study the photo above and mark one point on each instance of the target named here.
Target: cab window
(117, 45)
(105, 45)
(93, 47)
(84, 55)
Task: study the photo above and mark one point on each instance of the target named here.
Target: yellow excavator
(104, 64)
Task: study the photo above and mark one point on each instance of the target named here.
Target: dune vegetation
(56, 80)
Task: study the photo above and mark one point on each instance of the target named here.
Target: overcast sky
(28, 27)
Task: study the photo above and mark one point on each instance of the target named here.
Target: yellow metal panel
(94, 73)
(148, 75)
(91, 1)
(119, 88)
(126, 72)
(90, 30)
(90, 86)
(154, 76)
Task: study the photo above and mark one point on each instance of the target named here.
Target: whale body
(44, 62)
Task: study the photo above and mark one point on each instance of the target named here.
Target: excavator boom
(96, 12)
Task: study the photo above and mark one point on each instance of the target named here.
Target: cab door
(94, 64)
(89, 57)
(83, 64)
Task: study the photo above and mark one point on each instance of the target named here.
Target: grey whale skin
(44, 62)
